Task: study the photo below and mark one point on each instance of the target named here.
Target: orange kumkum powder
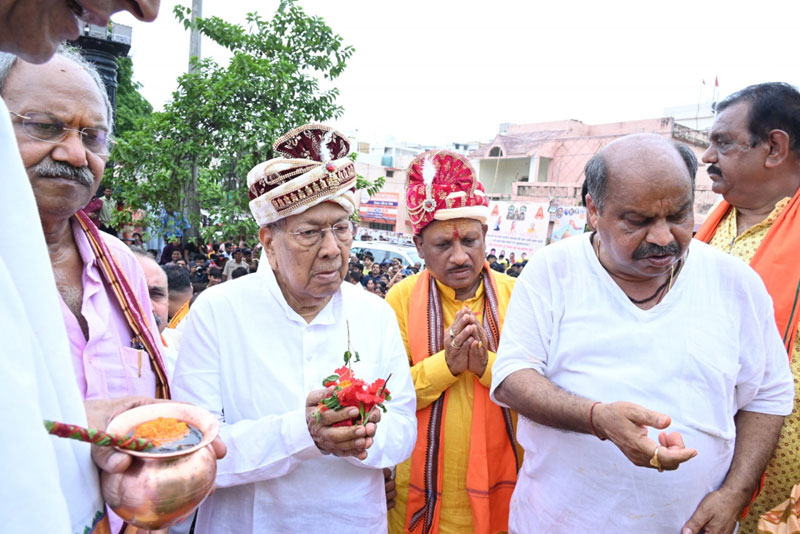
(162, 430)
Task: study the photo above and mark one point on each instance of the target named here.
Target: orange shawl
(493, 462)
(776, 261)
(179, 315)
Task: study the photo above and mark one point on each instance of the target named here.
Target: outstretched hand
(625, 424)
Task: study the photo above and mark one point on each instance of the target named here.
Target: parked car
(385, 251)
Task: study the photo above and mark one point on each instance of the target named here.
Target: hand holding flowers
(342, 418)
(339, 440)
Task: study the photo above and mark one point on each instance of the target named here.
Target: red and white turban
(315, 169)
(442, 185)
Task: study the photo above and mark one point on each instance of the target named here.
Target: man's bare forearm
(538, 399)
(623, 423)
(756, 437)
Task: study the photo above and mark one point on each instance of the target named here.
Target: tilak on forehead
(459, 228)
(441, 185)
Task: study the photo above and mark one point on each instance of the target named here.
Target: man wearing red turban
(464, 466)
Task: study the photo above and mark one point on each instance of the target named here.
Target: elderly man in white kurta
(256, 350)
(629, 331)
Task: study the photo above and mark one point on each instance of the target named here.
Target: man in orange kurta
(463, 469)
(754, 162)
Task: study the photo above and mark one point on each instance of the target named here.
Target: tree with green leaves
(131, 110)
(132, 107)
(224, 119)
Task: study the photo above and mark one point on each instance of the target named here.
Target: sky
(436, 72)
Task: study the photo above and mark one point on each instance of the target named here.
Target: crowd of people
(379, 278)
(631, 379)
(512, 266)
(375, 277)
(206, 264)
(214, 263)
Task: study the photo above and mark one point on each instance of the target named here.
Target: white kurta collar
(326, 316)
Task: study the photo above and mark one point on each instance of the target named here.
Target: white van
(386, 251)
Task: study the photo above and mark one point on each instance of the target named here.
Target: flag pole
(715, 94)
(699, 103)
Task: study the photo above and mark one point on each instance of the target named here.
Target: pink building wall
(567, 146)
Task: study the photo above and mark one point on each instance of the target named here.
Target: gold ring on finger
(655, 462)
(452, 335)
(453, 345)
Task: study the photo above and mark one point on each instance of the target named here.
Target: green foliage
(371, 187)
(224, 119)
(363, 184)
(132, 107)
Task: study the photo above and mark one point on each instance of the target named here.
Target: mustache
(47, 168)
(645, 250)
(713, 169)
(327, 268)
(460, 267)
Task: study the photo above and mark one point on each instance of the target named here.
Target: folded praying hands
(466, 344)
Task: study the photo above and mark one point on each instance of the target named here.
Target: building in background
(464, 148)
(698, 117)
(385, 153)
(544, 162)
(532, 173)
(384, 212)
(383, 215)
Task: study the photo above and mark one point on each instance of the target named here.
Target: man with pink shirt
(105, 304)
(63, 120)
(49, 484)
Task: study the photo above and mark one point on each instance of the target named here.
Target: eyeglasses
(308, 237)
(44, 127)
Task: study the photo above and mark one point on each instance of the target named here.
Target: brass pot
(159, 490)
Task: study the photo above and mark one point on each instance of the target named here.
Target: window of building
(389, 173)
(363, 148)
(496, 152)
(380, 226)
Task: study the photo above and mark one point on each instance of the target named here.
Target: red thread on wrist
(591, 421)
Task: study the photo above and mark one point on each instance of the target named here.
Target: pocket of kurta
(132, 362)
(708, 387)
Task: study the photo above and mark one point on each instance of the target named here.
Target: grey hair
(276, 225)
(7, 62)
(596, 173)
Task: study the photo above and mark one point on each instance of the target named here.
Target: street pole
(192, 197)
(194, 39)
